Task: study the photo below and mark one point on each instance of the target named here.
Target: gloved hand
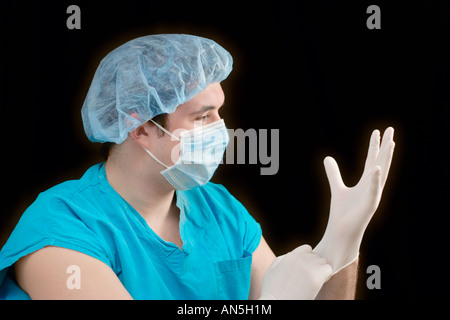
(352, 208)
(297, 275)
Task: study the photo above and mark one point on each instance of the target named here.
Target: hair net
(146, 77)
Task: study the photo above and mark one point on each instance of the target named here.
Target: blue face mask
(201, 151)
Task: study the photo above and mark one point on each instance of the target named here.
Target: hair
(107, 147)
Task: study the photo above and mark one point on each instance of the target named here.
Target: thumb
(333, 174)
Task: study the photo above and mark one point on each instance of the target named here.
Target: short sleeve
(54, 221)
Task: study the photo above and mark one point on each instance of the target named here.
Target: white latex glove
(297, 275)
(352, 208)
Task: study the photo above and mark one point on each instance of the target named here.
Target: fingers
(306, 251)
(386, 152)
(303, 249)
(324, 270)
(376, 156)
(375, 186)
(321, 269)
(380, 155)
(333, 174)
(327, 271)
(374, 149)
(299, 251)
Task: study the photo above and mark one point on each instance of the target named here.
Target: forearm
(342, 286)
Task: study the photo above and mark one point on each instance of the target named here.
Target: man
(147, 224)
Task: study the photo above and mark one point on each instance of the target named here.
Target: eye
(203, 118)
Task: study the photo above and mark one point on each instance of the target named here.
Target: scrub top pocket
(233, 277)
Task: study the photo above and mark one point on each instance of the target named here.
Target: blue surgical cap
(146, 77)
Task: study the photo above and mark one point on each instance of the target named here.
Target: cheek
(170, 151)
(175, 152)
(176, 122)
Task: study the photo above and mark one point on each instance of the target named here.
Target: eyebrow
(205, 109)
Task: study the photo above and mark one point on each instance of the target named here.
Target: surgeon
(148, 224)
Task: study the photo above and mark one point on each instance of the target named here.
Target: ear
(143, 134)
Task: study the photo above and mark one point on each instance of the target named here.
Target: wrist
(338, 248)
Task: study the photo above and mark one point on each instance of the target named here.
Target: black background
(311, 69)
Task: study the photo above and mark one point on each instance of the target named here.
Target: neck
(139, 181)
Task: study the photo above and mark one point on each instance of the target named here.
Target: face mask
(201, 151)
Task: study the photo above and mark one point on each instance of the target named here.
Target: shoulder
(64, 202)
(70, 188)
(64, 215)
(70, 195)
(60, 193)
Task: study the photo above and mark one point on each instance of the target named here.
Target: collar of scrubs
(186, 226)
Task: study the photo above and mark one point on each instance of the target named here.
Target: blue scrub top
(89, 216)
